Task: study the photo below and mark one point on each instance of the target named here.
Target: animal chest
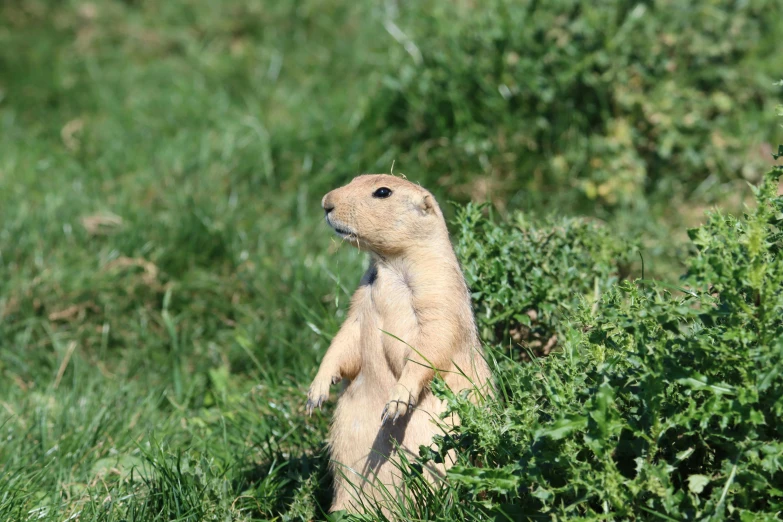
(389, 324)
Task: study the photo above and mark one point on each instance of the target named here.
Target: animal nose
(327, 204)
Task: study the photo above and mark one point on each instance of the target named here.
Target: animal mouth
(343, 232)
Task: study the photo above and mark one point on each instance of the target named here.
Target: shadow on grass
(298, 485)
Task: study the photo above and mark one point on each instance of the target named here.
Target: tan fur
(414, 290)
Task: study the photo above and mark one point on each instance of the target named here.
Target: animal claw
(313, 404)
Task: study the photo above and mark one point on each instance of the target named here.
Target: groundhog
(410, 316)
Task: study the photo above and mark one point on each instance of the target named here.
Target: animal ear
(427, 204)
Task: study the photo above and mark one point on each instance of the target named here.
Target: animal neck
(435, 257)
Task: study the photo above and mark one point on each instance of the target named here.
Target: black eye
(382, 193)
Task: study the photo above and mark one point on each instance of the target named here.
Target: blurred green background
(167, 284)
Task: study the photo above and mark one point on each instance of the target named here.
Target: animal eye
(382, 193)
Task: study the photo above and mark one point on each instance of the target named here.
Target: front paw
(319, 392)
(401, 401)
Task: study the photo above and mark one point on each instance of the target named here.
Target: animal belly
(397, 345)
(363, 452)
(356, 421)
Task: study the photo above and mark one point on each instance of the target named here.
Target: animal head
(385, 214)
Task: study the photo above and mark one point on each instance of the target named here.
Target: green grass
(167, 284)
(180, 338)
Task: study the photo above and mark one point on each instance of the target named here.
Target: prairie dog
(414, 290)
